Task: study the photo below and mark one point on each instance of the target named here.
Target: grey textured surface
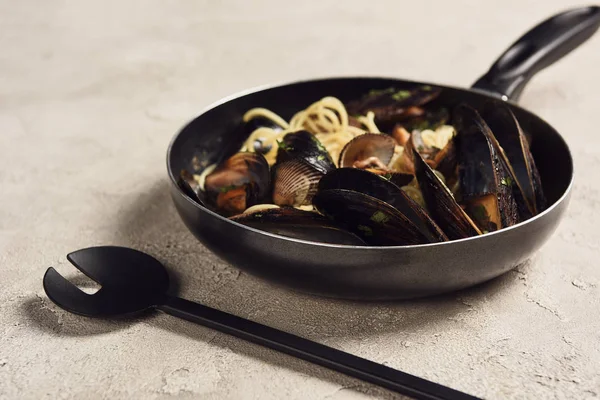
(92, 92)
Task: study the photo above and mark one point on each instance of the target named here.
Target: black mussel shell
(369, 150)
(294, 183)
(238, 183)
(382, 189)
(392, 102)
(514, 145)
(374, 221)
(430, 119)
(445, 161)
(305, 146)
(298, 224)
(441, 203)
(260, 122)
(485, 180)
(191, 188)
(399, 178)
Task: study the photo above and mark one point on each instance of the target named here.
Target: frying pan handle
(539, 48)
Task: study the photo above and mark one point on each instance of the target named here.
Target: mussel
(294, 183)
(442, 206)
(238, 183)
(485, 179)
(392, 105)
(430, 119)
(373, 220)
(414, 220)
(515, 148)
(191, 187)
(305, 146)
(299, 224)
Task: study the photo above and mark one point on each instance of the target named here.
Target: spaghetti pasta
(327, 119)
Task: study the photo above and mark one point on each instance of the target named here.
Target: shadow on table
(42, 314)
(153, 226)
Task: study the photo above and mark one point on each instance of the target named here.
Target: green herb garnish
(226, 189)
(379, 217)
(401, 95)
(283, 146)
(377, 92)
(367, 231)
(506, 181)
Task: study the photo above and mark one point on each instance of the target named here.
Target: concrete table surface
(91, 94)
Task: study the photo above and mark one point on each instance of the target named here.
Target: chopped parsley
(401, 95)
(318, 143)
(226, 189)
(284, 146)
(377, 92)
(427, 88)
(506, 181)
(379, 217)
(367, 231)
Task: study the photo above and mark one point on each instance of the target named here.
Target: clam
(515, 148)
(442, 206)
(294, 183)
(371, 150)
(485, 179)
(298, 224)
(238, 183)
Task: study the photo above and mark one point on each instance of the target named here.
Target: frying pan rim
(259, 88)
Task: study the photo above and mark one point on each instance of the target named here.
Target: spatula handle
(310, 351)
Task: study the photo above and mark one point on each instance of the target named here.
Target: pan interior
(215, 134)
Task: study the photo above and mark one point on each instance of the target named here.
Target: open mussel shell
(399, 178)
(510, 137)
(255, 123)
(442, 160)
(298, 224)
(442, 206)
(393, 105)
(430, 119)
(295, 183)
(373, 150)
(238, 183)
(485, 180)
(305, 146)
(375, 221)
(190, 186)
(382, 189)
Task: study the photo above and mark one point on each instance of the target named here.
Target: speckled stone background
(91, 94)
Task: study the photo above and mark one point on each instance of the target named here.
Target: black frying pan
(361, 272)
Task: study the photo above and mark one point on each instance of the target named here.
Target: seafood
(299, 224)
(394, 167)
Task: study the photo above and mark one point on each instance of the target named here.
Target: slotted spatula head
(131, 281)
